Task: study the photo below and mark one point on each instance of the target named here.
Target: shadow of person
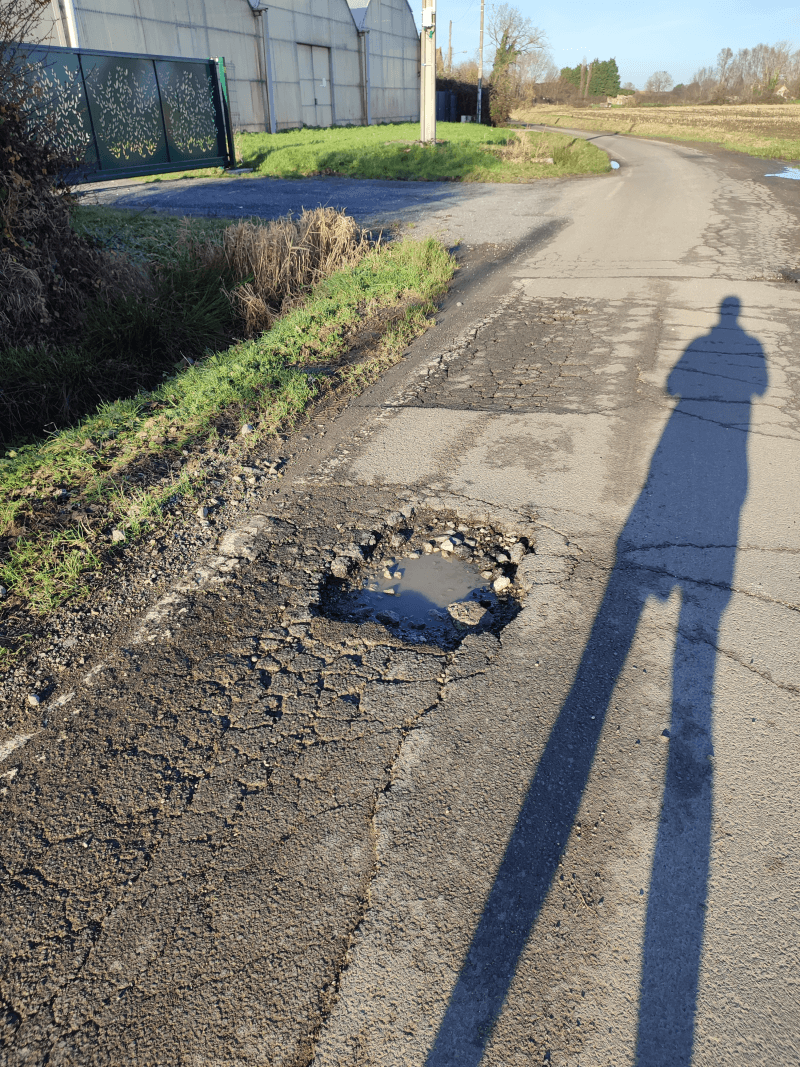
(681, 533)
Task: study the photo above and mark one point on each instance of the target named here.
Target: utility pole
(428, 73)
(450, 49)
(480, 66)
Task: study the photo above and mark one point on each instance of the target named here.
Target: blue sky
(678, 37)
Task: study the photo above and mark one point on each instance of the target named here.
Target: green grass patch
(145, 236)
(268, 381)
(467, 152)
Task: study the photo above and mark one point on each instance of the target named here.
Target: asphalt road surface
(258, 833)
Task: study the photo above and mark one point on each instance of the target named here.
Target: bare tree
(751, 73)
(22, 23)
(660, 82)
(512, 32)
(724, 67)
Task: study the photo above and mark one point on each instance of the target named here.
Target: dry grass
(767, 131)
(282, 259)
(524, 148)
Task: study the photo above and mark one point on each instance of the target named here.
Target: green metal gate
(121, 115)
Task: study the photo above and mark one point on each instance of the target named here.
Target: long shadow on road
(682, 533)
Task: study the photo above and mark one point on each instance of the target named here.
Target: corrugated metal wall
(394, 61)
(52, 26)
(200, 28)
(323, 24)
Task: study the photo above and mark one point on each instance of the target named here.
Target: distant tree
(724, 67)
(598, 78)
(571, 75)
(466, 71)
(605, 78)
(660, 82)
(630, 87)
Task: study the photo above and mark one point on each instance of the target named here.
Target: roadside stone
(3, 591)
(34, 700)
(395, 519)
(246, 429)
(117, 536)
(501, 583)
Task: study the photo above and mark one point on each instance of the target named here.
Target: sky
(677, 37)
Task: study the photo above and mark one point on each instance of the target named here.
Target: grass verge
(144, 236)
(766, 131)
(186, 292)
(63, 498)
(467, 152)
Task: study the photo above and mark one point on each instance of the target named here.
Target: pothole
(431, 582)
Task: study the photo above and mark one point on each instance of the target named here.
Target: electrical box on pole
(427, 110)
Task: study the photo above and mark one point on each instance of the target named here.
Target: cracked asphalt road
(262, 834)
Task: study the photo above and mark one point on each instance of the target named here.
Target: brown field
(771, 131)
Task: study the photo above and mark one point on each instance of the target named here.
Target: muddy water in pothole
(417, 593)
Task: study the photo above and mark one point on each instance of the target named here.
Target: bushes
(48, 273)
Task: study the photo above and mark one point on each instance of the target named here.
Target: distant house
(294, 63)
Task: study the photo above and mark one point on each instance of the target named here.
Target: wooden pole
(480, 66)
(428, 73)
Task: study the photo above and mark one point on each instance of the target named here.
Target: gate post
(224, 106)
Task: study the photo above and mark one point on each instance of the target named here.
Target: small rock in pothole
(467, 612)
(340, 567)
(501, 583)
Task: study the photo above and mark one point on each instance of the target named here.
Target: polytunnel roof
(358, 9)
